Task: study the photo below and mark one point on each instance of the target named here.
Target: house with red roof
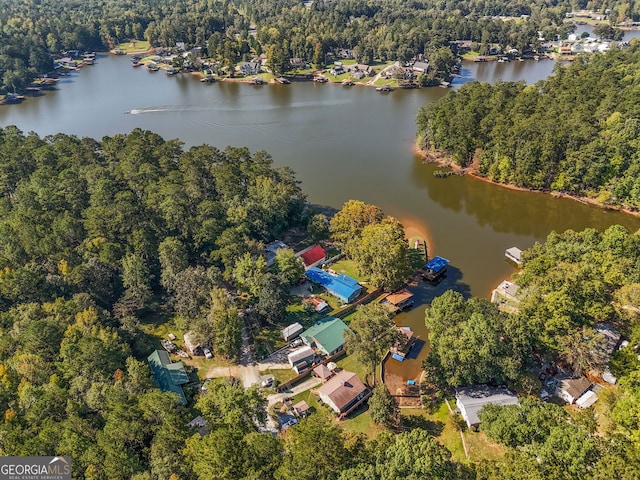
(312, 256)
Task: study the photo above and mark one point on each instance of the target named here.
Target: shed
(168, 375)
(514, 254)
(301, 355)
(471, 399)
(341, 286)
(343, 391)
(271, 249)
(327, 335)
(301, 409)
(292, 331)
(192, 345)
(587, 399)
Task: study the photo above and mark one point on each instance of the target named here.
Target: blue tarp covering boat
(437, 264)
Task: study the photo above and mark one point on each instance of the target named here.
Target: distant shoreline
(442, 159)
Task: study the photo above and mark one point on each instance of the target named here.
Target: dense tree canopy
(575, 132)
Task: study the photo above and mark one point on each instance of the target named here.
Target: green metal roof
(169, 376)
(328, 334)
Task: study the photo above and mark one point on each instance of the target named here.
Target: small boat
(208, 79)
(119, 51)
(321, 79)
(172, 71)
(384, 88)
(348, 83)
(258, 81)
(283, 81)
(152, 67)
(435, 269)
(136, 64)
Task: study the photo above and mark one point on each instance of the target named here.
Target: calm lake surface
(344, 143)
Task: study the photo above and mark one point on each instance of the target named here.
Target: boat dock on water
(514, 254)
(435, 269)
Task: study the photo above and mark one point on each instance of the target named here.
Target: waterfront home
(296, 63)
(470, 400)
(337, 70)
(343, 392)
(327, 335)
(421, 67)
(341, 286)
(168, 375)
(249, 68)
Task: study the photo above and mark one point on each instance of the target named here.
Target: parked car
(267, 381)
(207, 352)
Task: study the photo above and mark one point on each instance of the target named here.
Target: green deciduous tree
(371, 333)
(383, 408)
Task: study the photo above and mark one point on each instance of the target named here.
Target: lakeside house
(470, 400)
(421, 67)
(169, 376)
(341, 286)
(249, 68)
(326, 335)
(343, 392)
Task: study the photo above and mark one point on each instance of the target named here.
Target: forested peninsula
(574, 133)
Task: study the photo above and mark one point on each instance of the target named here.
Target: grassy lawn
(441, 425)
(350, 364)
(282, 375)
(139, 46)
(347, 267)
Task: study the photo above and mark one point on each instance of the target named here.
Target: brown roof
(343, 388)
(301, 407)
(399, 297)
(575, 386)
(322, 372)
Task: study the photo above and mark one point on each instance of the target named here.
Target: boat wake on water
(140, 111)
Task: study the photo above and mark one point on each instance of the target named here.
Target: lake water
(343, 142)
